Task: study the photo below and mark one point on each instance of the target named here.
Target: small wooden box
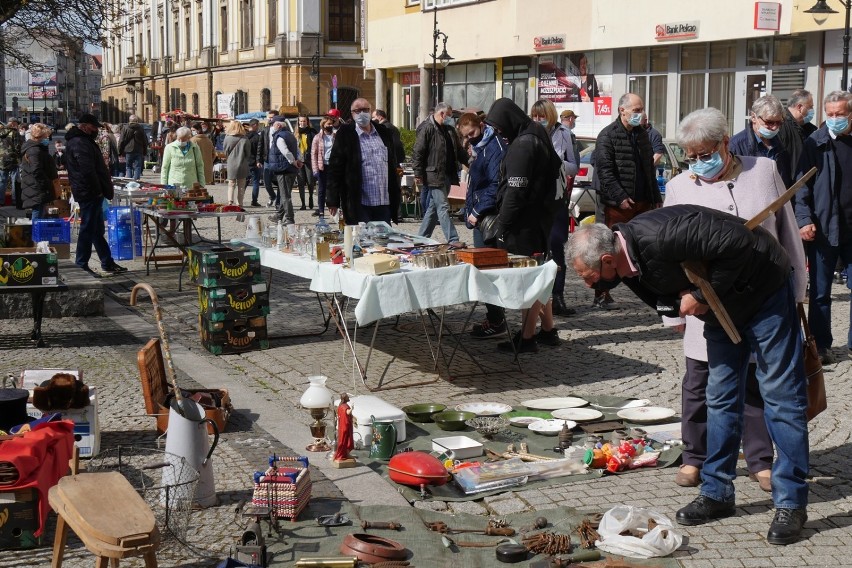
(484, 257)
(152, 374)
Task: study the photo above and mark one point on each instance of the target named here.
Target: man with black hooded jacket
(751, 274)
(526, 196)
(90, 184)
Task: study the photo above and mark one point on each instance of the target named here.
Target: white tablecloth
(411, 289)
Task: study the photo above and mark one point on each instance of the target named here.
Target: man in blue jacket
(761, 141)
(90, 185)
(824, 213)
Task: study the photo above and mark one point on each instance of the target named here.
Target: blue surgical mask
(809, 116)
(543, 122)
(183, 143)
(362, 119)
(449, 121)
(837, 124)
(635, 119)
(44, 142)
(708, 170)
(767, 133)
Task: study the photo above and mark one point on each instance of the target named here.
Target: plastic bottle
(661, 180)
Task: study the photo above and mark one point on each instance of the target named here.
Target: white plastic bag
(661, 541)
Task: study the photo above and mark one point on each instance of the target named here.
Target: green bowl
(423, 412)
(452, 420)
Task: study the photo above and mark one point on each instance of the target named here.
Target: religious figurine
(345, 438)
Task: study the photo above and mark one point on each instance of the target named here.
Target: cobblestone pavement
(620, 352)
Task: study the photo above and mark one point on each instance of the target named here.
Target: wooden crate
(484, 257)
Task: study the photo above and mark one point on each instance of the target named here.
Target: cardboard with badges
(26, 267)
(216, 265)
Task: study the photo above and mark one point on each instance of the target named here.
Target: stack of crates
(233, 299)
(119, 234)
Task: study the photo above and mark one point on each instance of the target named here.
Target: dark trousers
(367, 213)
(92, 234)
(558, 238)
(268, 183)
(757, 445)
(254, 178)
(305, 177)
(321, 191)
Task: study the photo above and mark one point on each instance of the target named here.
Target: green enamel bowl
(452, 420)
(423, 412)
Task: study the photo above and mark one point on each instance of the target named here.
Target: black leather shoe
(559, 307)
(703, 510)
(786, 526)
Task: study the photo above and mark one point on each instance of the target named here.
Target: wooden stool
(107, 514)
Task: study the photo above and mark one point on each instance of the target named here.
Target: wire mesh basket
(165, 481)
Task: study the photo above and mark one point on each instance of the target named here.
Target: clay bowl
(423, 412)
(452, 420)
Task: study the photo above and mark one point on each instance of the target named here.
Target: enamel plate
(646, 414)
(550, 427)
(555, 403)
(577, 414)
(523, 418)
(484, 408)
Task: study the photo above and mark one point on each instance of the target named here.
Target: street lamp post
(444, 58)
(315, 72)
(820, 12)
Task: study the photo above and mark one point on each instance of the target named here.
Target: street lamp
(444, 57)
(315, 73)
(820, 12)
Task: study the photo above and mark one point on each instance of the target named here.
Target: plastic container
(366, 406)
(462, 446)
(52, 230)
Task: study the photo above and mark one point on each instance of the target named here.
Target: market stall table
(175, 229)
(414, 290)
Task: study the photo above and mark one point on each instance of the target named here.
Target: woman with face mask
(742, 186)
(767, 118)
(320, 154)
(39, 178)
(544, 113)
(182, 161)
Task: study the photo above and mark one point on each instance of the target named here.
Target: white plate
(484, 408)
(635, 403)
(646, 413)
(550, 427)
(577, 414)
(523, 421)
(555, 403)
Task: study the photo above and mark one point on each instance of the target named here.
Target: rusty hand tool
(441, 527)
(393, 525)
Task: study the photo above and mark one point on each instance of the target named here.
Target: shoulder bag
(813, 369)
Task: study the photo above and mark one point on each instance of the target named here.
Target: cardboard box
(234, 336)
(484, 257)
(25, 267)
(233, 302)
(155, 388)
(87, 432)
(215, 265)
(19, 519)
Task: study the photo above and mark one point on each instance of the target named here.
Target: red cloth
(41, 457)
(345, 439)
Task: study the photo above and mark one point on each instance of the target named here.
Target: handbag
(489, 227)
(813, 370)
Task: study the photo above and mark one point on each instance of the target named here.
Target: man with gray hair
(760, 141)
(283, 161)
(797, 125)
(436, 157)
(750, 273)
(133, 143)
(824, 213)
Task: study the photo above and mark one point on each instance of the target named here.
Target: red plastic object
(417, 468)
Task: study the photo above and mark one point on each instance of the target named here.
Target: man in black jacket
(260, 161)
(750, 272)
(361, 176)
(624, 170)
(133, 143)
(797, 126)
(90, 184)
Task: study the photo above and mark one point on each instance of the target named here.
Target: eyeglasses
(364, 109)
(701, 157)
(770, 123)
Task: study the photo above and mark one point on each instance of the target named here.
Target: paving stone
(508, 506)
(439, 506)
(467, 507)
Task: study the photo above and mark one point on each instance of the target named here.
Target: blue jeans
(269, 181)
(774, 336)
(438, 211)
(92, 233)
(134, 164)
(822, 260)
(321, 192)
(254, 176)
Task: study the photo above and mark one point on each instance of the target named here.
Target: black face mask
(328, 129)
(477, 140)
(604, 284)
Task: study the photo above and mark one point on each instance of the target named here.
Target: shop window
(789, 51)
(470, 85)
(659, 59)
(723, 55)
(639, 60)
(757, 51)
(655, 102)
(785, 81)
(720, 95)
(265, 99)
(341, 20)
(691, 93)
(693, 57)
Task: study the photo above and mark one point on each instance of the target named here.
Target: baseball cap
(334, 113)
(87, 118)
(568, 113)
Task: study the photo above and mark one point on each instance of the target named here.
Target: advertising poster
(225, 105)
(580, 82)
(43, 84)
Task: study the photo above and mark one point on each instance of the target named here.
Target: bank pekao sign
(549, 42)
(677, 31)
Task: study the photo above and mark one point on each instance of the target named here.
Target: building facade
(679, 56)
(219, 58)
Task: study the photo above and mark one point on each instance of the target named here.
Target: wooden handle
(697, 274)
(781, 201)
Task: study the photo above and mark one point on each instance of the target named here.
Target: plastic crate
(118, 221)
(120, 243)
(52, 230)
